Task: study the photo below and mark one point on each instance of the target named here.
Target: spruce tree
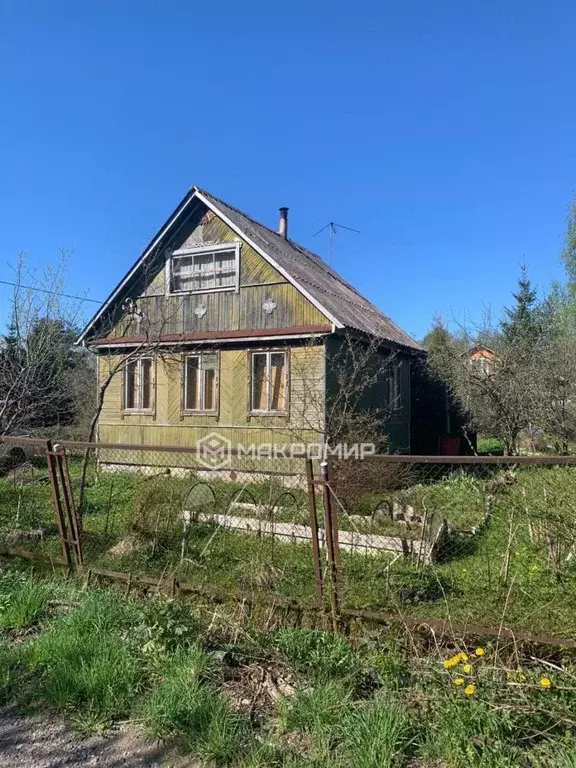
(522, 320)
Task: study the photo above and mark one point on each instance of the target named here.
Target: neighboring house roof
(331, 294)
(481, 351)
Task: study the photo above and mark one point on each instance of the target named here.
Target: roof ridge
(279, 242)
(305, 251)
(242, 213)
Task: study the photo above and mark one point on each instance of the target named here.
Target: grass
(454, 495)
(98, 658)
(23, 602)
(475, 734)
(489, 445)
(322, 655)
(375, 734)
(83, 664)
(186, 708)
(518, 572)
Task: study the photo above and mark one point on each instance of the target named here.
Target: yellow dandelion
(545, 682)
(479, 652)
(449, 663)
(459, 681)
(466, 668)
(470, 690)
(463, 656)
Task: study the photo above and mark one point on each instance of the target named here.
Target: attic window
(199, 270)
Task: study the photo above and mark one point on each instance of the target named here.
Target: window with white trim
(268, 382)
(201, 382)
(138, 385)
(395, 386)
(204, 269)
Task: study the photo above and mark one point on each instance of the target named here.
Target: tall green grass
(320, 653)
(186, 708)
(82, 663)
(23, 604)
(373, 703)
(376, 734)
(316, 711)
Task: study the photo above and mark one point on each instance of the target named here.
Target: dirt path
(42, 742)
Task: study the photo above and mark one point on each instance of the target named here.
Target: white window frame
(269, 352)
(395, 386)
(199, 251)
(200, 392)
(139, 388)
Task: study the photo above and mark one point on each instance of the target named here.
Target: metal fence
(476, 545)
(479, 545)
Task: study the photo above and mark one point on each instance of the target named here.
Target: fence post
(57, 503)
(331, 542)
(334, 513)
(74, 528)
(314, 529)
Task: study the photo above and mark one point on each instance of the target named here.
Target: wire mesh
(241, 528)
(474, 543)
(27, 521)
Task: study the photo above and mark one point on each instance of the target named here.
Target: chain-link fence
(236, 529)
(28, 524)
(232, 525)
(463, 542)
(467, 541)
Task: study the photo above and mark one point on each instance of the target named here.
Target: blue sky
(444, 132)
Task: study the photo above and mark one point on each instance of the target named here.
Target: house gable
(282, 262)
(264, 300)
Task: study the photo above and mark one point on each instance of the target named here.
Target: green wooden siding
(225, 310)
(396, 424)
(167, 425)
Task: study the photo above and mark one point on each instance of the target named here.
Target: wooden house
(226, 326)
(482, 360)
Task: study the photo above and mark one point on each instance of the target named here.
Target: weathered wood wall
(376, 397)
(225, 310)
(168, 425)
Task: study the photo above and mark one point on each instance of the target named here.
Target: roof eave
(180, 208)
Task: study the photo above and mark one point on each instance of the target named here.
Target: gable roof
(330, 293)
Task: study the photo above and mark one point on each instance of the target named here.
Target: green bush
(166, 625)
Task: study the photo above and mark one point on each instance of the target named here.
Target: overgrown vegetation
(44, 380)
(229, 693)
(506, 557)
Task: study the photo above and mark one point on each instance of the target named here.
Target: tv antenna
(332, 226)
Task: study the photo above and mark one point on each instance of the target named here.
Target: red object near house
(449, 445)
